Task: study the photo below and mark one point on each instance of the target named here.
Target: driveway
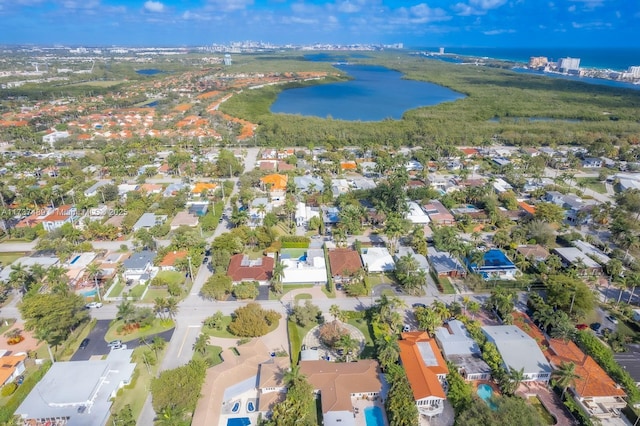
(97, 345)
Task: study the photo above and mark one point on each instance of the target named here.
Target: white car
(94, 305)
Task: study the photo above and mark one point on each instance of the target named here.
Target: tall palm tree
(200, 345)
(126, 311)
(335, 311)
(440, 309)
(349, 345)
(159, 306)
(276, 277)
(513, 380)
(388, 351)
(565, 376)
(94, 271)
(293, 376)
(171, 307)
(20, 277)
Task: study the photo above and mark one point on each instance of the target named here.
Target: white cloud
(154, 6)
(422, 13)
(572, 8)
(618, 14)
(595, 25)
(497, 32)
(228, 5)
(194, 16)
(477, 7)
(590, 4)
(75, 4)
(348, 7)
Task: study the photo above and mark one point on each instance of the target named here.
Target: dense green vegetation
(498, 105)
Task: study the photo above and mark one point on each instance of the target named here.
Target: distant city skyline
(472, 23)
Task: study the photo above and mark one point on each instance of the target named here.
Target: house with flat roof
(417, 214)
(94, 189)
(308, 183)
(423, 263)
(149, 220)
(426, 371)
(495, 265)
(243, 268)
(184, 218)
(444, 264)
(573, 257)
(340, 384)
(344, 264)
(377, 259)
(591, 251)
(78, 393)
(519, 352)
(310, 268)
(460, 349)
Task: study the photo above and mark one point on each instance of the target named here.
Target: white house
(417, 214)
(377, 259)
(54, 137)
(519, 352)
(304, 214)
(310, 268)
(139, 266)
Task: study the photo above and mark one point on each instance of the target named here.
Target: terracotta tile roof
(59, 213)
(278, 182)
(593, 381)
(527, 207)
(338, 381)
(469, 151)
(150, 187)
(283, 166)
(201, 186)
(267, 165)
(8, 365)
(241, 268)
(170, 258)
(348, 165)
(344, 262)
(423, 378)
(535, 251)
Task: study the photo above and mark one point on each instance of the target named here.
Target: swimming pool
(238, 421)
(90, 293)
(75, 259)
(486, 392)
(373, 416)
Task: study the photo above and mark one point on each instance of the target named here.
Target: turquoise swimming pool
(373, 416)
(486, 392)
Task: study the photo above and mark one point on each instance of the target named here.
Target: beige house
(184, 219)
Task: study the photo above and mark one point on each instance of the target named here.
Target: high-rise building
(227, 59)
(634, 71)
(442, 50)
(538, 61)
(569, 64)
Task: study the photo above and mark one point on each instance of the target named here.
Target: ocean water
(618, 59)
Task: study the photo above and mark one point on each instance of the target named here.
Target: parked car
(205, 260)
(595, 326)
(582, 326)
(94, 305)
(419, 305)
(406, 329)
(612, 319)
(84, 343)
(114, 343)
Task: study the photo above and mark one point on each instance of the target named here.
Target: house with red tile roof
(11, 367)
(242, 268)
(169, 260)
(594, 391)
(59, 216)
(348, 165)
(439, 214)
(426, 371)
(344, 263)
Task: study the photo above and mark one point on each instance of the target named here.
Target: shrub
(245, 290)
(9, 389)
(252, 321)
(331, 332)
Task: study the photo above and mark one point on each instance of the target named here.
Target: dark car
(419, 305)
(596, 326)
(84, 343)
(205, 260)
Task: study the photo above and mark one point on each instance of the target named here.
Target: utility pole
(190, 269)
(573, 298)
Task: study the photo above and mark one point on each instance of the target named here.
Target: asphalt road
(97, 345)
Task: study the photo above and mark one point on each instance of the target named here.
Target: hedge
(294, 241)
(6, 412)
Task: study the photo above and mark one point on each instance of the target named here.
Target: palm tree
(293, 376)
(512, 380)
(94, 271)
(388, 351)
(201, 343)
(276, 277)
(126, 311)
(348, 344)
(474, 308)
(335, 311)
(159, 306)
(565, 376)
(441, 310)
(170, 415)
(20, 278)
(633, 281)
(465, 302)
(158, 344)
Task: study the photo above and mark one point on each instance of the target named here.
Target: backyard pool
(238, 421)
(373, 416)
(486, 392)
(90, 293)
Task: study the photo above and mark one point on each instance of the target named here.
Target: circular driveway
(312, 340)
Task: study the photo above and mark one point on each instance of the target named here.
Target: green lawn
(295, 340)
(10, 257)
(369, 347)
(137, 291)
(136, 393)
(6, 324)
(447, 287)
(117, 289)
(153, 293)
(212, 355)
(172, 277)
(286, 288)
(158, 327)
(594, 184)
(224, 329)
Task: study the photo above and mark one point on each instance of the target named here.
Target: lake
(149, 71)
(375, 93)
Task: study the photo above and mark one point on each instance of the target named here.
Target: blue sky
(429, 23)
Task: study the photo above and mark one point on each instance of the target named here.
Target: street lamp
(190, 268)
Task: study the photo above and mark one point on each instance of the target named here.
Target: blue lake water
(375, 93)
(149, 71)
